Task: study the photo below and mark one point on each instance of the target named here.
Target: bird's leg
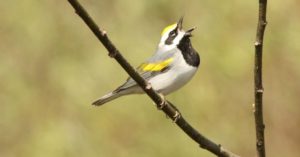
(176, 116)
(162, 103)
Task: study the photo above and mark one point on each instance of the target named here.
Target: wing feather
(155, 65)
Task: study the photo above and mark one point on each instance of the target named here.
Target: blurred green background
(53, 67)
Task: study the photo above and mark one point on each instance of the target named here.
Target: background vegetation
(52, 68)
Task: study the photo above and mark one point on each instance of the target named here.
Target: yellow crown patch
(170, 27)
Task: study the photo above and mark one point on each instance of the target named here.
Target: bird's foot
(176, 116)
(162, 103)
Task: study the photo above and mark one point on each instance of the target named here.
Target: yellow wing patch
(170, 27)
(156, 66)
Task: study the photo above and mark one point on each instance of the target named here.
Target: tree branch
(160, 101)
(258, 92)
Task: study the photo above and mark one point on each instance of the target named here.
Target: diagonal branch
(160, 101)
(258, 106)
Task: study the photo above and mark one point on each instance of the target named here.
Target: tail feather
(106, 98)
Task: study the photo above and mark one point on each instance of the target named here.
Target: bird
(173, 64)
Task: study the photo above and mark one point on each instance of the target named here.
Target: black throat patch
(189, 53)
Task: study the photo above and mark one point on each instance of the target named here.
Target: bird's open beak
(179, 27)
(189, 32)
(179, 23)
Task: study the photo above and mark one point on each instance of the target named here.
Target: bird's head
(173, 35)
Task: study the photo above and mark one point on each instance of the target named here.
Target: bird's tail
(106, 98)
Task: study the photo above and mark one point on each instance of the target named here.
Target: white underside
(173, 79)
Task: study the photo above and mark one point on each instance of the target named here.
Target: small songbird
(174, 64)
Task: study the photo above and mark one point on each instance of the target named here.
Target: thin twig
(258, 106)
(160, 101)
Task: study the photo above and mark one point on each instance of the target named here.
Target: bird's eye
(171, 37)
(173, 33)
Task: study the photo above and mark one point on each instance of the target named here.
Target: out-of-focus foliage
(52, 68)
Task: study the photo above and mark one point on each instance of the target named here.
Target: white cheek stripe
(178, 38)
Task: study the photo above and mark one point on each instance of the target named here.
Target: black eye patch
(172, 35)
